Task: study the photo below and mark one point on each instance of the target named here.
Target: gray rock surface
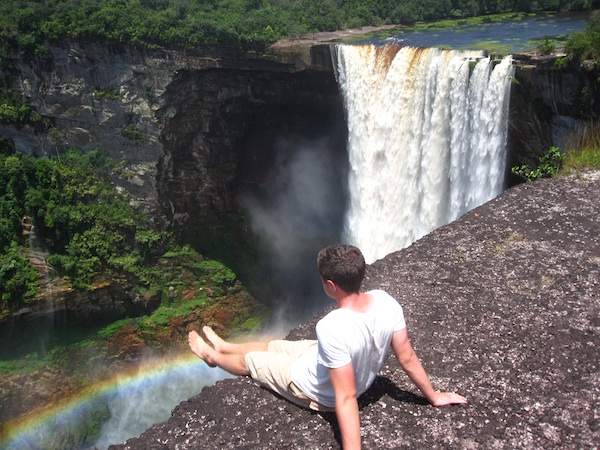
(98, 95)
(503, 306)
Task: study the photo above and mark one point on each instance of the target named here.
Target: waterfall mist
(298, 210)
(427, 132)
(134, 408)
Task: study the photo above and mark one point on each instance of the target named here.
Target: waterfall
(426, 139)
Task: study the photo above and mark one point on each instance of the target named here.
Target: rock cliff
(195, 130)
(199, 131)
(502, 306)
(101, 95)
(551, 98)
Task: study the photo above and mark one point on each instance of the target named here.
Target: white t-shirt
(344, 336)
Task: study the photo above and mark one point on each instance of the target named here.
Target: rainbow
(23, 431)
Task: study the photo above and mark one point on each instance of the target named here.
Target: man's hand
(412, 366)
(447, 398)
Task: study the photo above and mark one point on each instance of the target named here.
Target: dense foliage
(14, 111)
(546, 47)
(549, 165)
(27, 25)
(18, 279)
(586, 44)
(91, 230)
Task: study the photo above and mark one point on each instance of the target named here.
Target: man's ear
(331, 285)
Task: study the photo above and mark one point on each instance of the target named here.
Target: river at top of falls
(427, 132)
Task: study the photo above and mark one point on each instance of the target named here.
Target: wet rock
(502, 306)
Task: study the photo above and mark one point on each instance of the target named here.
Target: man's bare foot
(201, 348)
(217, 342)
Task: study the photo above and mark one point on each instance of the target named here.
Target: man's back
(349, 336)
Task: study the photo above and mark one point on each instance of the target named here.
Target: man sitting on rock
(330, 373)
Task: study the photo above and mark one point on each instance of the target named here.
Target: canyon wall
(199, 132)
(106, 96)
(549, 101)
(195, 131)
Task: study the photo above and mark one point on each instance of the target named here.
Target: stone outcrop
(502, 306)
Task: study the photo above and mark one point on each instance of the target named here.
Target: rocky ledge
(503, 306)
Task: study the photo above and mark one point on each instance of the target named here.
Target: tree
(18, 279)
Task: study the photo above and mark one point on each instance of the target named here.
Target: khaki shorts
(272, 369)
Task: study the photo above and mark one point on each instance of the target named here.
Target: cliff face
(198, 131)
(226, 130)
(502, 306)
(548, 102)
(92, 94)
(105, 96)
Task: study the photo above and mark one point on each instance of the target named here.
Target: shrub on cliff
(546, 47)
(18, 279)
(549, 165)
(583, 148)
(13, 109)
(586, 44)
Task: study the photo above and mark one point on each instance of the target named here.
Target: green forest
(586, 44)
(27, 25)
(91, 231)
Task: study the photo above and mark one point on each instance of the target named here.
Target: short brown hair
(342, 264)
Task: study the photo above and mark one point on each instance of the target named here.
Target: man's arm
(346, 405)
(412, 366)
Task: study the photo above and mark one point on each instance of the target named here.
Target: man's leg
(270, 369)
(232, 363)
(222, 346)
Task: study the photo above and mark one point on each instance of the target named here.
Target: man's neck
(356, 301)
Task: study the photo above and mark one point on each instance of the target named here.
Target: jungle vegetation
(29, 25)
(91, 231)
(586, 44)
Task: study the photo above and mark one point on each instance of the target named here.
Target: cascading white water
(426, 139)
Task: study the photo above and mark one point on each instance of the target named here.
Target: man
(331, 372)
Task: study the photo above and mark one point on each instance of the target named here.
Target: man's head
(342, 264)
